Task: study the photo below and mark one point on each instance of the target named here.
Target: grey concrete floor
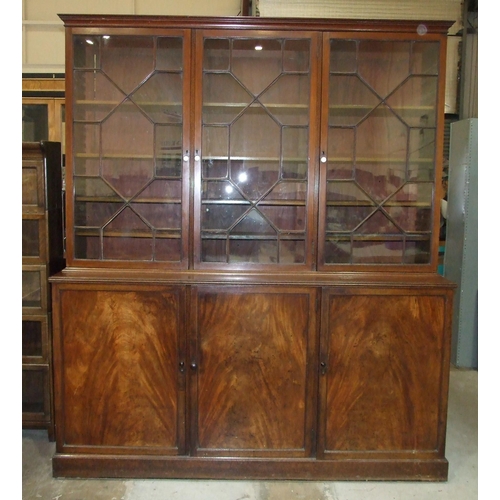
(461, 452)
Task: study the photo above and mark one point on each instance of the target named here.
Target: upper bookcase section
(251, 144)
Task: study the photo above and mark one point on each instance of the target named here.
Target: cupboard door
(117, 355)
(382, 152)
(129, 114)
(384, 365)
(256, 138)
(252, 361)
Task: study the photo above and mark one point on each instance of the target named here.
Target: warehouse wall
(43, 32)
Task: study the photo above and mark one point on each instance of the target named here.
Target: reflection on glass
(33, 391)
(381, 149)
(31, 238)
(35, 121)
(128, 142)
(32, 338)
(32, 292)
(255, 136)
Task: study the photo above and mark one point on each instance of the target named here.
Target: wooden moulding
(250, 22)
(116, 466)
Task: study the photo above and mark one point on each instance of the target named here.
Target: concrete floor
(461, 452)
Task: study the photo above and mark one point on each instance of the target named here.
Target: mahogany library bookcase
(251, 287)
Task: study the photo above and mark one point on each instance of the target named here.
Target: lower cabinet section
(200, 380)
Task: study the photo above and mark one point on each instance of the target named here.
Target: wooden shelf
(363, 203)
(297, 203)
(116, 199)
(98, 232)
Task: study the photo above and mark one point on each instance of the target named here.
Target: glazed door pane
(256, 118)
(381, 134)
(35, 122)
(128, 135)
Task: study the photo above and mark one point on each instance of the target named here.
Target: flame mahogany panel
(119, 351)
(253, 368)
(383, 384)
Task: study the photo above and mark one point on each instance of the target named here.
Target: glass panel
(95, 96)
(418, 252)
(215, 144)
(285, 218)
(221, 191)
(338, 250)
(216, 54)
(86, 146)
(127, 132)
(381, 152)
(128, 147)
(122, 53)
(87, 246)
(381, 144)
(224, 98)
(254, 178)
(425, 58)
(350, 100)
(344, 218)
(35, 122)
(256, 63)
(347, 193)
(34, 387)
(415, 101)
(160, 97)
(377, 251)
(383, 65)
(422, 152)
(411, 207)
(32, 338)
(31, 238)
(213, 169)
(288, 191)
(254, 224)
(169, 54)
(292, 252)
(213, 250)
(32, 289)
(341, 151)
(287, 100)
(86, 53)
(255, 135)
(343, 56)
(221, 216)
(296, 55)
(168, 150)
(378, 223)
(30, 186)
(128, 236)
(295, 152)
(253, 251)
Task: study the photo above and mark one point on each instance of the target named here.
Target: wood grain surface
(383, 381)
(251, 384)
(120, 368)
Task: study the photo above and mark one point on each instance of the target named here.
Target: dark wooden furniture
(42, 256)
(252, 224)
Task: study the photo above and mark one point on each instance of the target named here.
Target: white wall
(43, 31)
